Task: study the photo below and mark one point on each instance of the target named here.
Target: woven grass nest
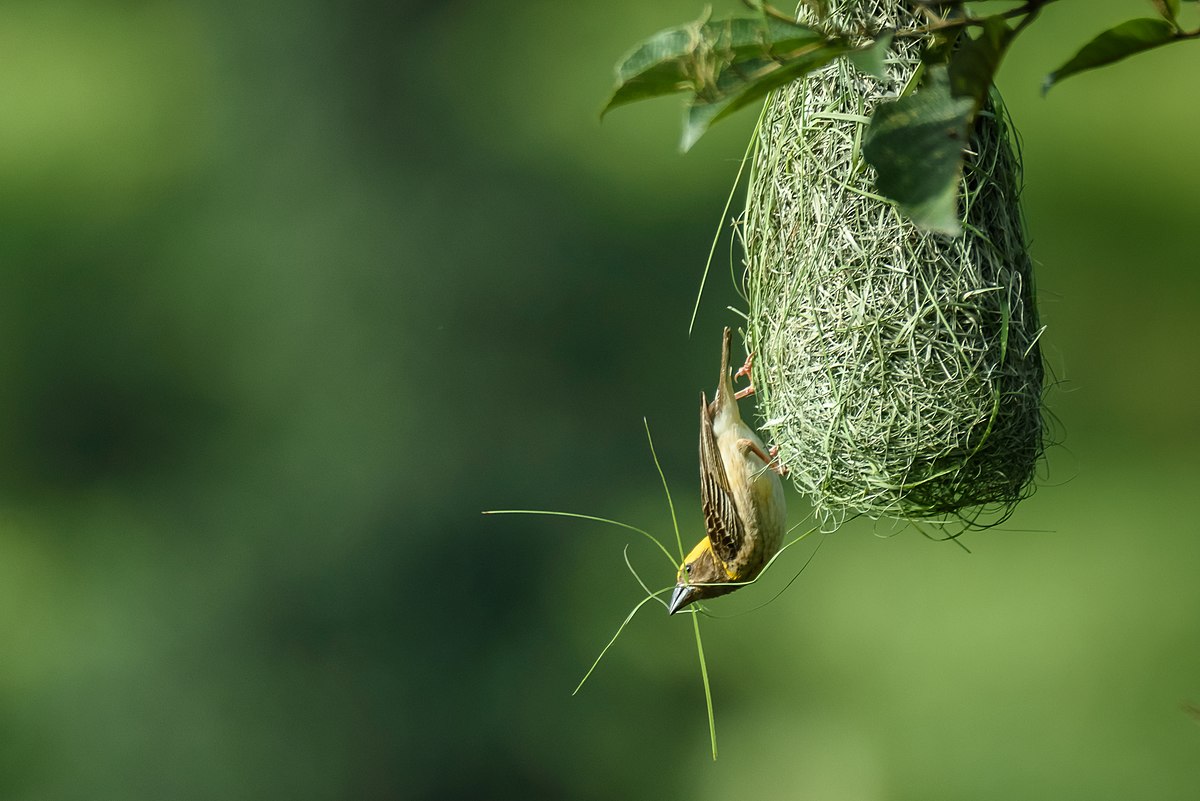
(898, 371)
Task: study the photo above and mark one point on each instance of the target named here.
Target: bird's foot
(744, 370)
(774, 463)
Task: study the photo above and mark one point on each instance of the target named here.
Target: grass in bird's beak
(653, 595)
(712, 724)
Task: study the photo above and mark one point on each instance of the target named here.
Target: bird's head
(700, 576)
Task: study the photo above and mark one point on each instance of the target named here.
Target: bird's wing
(725, 530)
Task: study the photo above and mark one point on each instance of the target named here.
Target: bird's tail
(724, 393)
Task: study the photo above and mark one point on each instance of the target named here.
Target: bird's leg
(744, 370)
(770, 461)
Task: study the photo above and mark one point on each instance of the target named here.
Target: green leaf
(1126, 39)
(745, 82)
(938, 212)
(654, 68)
(973, 65)
(869, 59)
(915, 145)
(692, 57)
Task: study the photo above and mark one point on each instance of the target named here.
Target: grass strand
(620, 629)
(708, 702)
(593, 518)
(712, 251)
(666, 489)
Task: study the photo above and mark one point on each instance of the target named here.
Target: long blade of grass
(641, 583)
(620, 628)
(666, 489)
(617, 523)
(712, 723)
(724, 214)
(708, 703)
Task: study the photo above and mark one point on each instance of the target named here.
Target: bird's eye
(687, 569)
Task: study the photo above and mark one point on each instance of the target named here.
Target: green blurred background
(292, 291)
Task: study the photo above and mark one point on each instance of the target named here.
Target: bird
(740, 494)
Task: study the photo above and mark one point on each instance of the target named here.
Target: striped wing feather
(721, 521)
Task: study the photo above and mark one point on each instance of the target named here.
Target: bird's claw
(774, 463)
(744, 370)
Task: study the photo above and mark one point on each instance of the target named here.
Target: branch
(1029, 9)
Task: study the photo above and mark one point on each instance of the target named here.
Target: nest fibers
(899, 372)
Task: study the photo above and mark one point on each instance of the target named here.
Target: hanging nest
(898, 371)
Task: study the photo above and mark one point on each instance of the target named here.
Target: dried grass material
(899, 372)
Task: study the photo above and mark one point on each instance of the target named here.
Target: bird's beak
(682, 596)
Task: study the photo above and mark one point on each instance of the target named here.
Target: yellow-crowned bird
(742, 498)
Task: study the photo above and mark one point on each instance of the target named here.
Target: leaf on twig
(973, 65)
(692, 57)
(743, 83)
(1126, 39)
(729, 64)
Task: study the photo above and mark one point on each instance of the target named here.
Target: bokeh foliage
(292, 291)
